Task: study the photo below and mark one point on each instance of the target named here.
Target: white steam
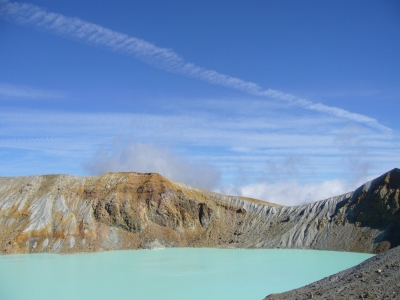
(145, 158)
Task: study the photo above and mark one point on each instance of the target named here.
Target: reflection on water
(180, 273)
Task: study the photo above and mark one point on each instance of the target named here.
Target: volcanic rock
(68, 214)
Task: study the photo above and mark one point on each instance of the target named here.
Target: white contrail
(166, 59)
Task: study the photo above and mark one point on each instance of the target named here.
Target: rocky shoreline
(375, 278)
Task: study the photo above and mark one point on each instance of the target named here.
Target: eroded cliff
(67, 214)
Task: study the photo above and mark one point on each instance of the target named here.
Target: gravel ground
(375, 278)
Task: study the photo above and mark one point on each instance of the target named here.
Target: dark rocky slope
(375, 278)
(67, 214)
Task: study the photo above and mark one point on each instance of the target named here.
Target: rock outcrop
(375, 278)
(67, 214)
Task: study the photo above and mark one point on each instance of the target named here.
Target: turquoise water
(178, 273)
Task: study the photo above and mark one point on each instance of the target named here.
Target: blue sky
(287, 101)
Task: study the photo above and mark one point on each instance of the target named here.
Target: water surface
(175, 273)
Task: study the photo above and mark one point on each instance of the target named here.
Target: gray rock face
(67, 214)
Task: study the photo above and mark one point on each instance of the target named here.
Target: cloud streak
(292, 163)
(163, 58)
(271, 148)
(10, 91)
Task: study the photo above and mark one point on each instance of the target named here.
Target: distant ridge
(69, 214)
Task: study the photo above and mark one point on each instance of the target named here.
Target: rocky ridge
(68, 214)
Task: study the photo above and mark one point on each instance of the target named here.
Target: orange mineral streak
(69, 214)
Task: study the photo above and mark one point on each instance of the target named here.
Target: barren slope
(375, 278)
(62, 213)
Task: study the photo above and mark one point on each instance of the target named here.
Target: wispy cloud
(273, 158)
(272, 148)
(292, 193)
(146, 158)
(163, 58)
(11, 91)
(149, 158)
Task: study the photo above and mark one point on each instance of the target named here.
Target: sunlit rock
(116, 211)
